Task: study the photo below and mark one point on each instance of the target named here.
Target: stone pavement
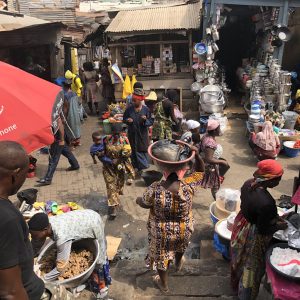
(87, 188)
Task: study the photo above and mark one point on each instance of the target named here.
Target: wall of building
(291, 56)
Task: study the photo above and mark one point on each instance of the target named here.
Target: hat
(152, 96)
(212, 124)
(69, 75)
(38, 222)
(191, 124)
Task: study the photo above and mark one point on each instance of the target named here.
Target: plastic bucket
(289, 150)
(213, 217)
(290, 118)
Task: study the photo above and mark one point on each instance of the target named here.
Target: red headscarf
(268, 169)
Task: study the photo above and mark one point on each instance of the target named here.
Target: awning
(181, 17)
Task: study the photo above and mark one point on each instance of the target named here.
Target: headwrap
(266, 139)
(212, 124)
(139, 94)
(38, 222)
(268, 169)
(191, 124)
(297, 94)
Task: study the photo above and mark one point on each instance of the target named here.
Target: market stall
(155, 44)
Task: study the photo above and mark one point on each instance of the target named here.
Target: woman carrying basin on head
(170, 223)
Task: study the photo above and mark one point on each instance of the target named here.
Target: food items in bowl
(286, 260)
(79, 262)
(297, 145)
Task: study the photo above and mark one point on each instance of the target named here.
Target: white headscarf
(191, 124)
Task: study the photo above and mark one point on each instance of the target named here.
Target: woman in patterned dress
(215, 167)
(118, 151)
(170, 223)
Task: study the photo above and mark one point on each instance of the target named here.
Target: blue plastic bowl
(289, 150)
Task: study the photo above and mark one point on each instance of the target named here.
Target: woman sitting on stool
(265, 144)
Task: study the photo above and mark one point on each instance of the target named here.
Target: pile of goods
(51, 208)
(79, 262)
(286, 260)
(170, 151)
(115, 112)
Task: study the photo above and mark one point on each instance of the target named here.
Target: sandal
(180, 264)
(157, 283)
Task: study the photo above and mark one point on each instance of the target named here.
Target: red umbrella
(29, 107)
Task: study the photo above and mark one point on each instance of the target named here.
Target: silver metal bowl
(87, 244)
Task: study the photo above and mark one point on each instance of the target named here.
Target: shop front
(156, 44)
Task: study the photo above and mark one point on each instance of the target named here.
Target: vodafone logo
(1, 109)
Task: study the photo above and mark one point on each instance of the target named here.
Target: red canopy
(28, 108)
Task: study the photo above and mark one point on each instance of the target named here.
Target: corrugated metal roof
(160, 18)
(10, 22)
(50, 10)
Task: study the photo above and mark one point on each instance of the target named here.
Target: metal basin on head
(172, 166)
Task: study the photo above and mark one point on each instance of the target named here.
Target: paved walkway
(87, 188)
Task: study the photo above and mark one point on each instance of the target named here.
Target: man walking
(17, 279)
(58, 148)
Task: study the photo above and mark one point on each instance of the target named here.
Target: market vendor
(265, 144)
(64, 230)
(253, 229)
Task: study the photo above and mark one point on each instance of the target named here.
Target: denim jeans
(54, 155)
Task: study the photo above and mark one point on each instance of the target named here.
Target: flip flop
(179, 266)
(157, 283)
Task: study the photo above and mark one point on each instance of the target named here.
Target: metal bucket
(87, 244)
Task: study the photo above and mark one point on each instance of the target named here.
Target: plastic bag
(283, 235)
(228, 199)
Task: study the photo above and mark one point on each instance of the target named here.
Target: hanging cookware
(215, 47)
(200, 49)
(283, 33)
(277, 42)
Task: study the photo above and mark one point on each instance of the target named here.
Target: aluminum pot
(87, 244)
(212, 108)
(171, 166)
